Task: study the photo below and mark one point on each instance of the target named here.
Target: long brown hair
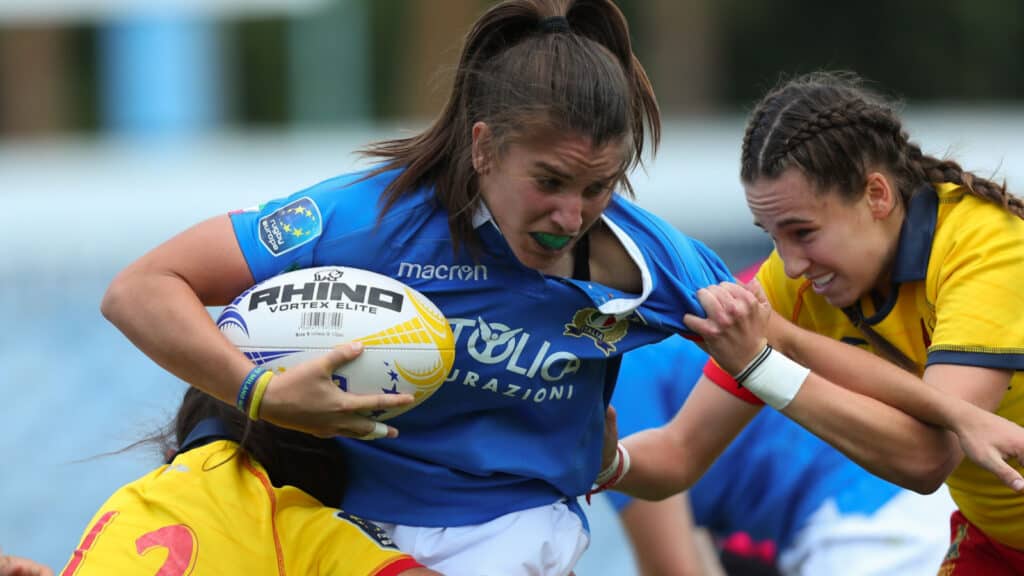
(835, 130)
(315, 465)
(517, 73)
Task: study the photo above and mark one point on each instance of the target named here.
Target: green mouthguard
(551, 241)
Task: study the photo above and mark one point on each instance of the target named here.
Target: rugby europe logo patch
(290, 226)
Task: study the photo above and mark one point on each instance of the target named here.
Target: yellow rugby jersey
(958, 298)
(196, 517)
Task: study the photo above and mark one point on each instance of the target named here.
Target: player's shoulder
(653, 233)
(226, 454)
(967, 223)
(356, 192)
(356, 200)
(959, 210)
(629, 215)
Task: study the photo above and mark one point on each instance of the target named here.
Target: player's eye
(549, 183)
(597, 190)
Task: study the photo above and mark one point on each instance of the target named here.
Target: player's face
(845, 248)
(545, 192)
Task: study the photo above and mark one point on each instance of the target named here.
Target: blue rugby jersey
(519, 422)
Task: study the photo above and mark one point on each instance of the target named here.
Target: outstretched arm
(865, 425)
(881, 416)
(669, 459)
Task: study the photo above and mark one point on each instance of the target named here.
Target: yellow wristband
(257, 394)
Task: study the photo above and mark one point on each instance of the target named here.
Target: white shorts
(908, 536)
(542, 541)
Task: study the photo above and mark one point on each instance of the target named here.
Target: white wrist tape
(773, 377)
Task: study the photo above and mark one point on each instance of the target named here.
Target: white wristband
(775, 378)
(625, 463)
(612, 468)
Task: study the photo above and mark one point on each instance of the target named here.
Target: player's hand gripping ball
(408, 346)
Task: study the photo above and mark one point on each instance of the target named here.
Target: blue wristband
(242, 402)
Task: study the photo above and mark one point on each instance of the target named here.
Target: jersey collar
(608, 303)
(207, 430)
(916, 236)
(482, 215)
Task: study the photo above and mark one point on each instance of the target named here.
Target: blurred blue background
(123, 122)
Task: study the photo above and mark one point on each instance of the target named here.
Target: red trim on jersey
(268, 487)
(798, 306)
(90, 538)
(397, 566)
(726, 382)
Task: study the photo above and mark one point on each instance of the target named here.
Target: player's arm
(881, 416)
(669, 459)
(666, 541)
(859, 417)
(159, 302)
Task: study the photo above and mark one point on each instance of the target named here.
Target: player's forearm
(162, 316)
(860, 371)
(882, 439)
(658, 469)
(672, 458)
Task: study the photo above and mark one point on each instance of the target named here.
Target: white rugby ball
(408, 344)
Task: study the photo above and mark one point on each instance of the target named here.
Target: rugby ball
(408, 346)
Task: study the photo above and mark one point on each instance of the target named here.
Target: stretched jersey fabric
(769, 480)
(519, 422)
(956, 299)
(210, 513)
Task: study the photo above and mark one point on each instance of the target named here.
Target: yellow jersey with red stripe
(957, 298)
(213, 510)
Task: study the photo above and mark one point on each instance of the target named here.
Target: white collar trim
(625, 305)
(482, 216)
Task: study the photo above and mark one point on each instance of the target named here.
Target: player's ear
(880, 195)
(483, 148)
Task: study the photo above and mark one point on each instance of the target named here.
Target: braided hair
(835, 130)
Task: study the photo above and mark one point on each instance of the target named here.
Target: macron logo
(442, 271)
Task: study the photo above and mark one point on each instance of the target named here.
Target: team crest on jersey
(604, 329)
(378, 534)
(290, 226)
